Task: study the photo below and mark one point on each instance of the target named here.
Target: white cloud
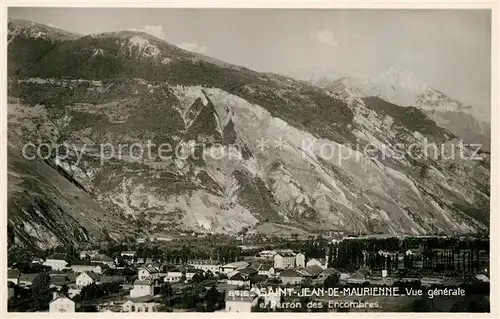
(193, 47)
(155, 30)
(327, 37)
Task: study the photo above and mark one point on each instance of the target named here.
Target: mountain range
(403, 88)
(265, 153)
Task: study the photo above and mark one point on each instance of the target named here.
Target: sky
(449, 50)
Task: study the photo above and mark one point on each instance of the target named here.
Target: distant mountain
(401, 87)
(29, 29)
(319, 77)
(264, 151)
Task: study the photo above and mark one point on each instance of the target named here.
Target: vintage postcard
(170, 159)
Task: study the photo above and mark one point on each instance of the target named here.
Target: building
(105, 260)
(240, 301)
(248, 271)
(228, 268)
(326, 273)
(88, 254)
(142, 288)
(311, 271)
(206, 265)
(173, 275)
(149, 273)
(56, 262)
(58, 280)
(266, 270)
(238, 280)
(128, 253)
(61, 304)
(26, 280)
(290, 277)
(13, 276)
(284, 260)
(314, 261)
(86, 278)
(191, 272)
(267, 254)
(300, 260)
(79, 266)
(284, 251)
(141, 304)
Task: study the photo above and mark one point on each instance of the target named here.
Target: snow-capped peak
(398, 85)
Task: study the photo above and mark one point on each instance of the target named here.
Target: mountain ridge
(128, 93)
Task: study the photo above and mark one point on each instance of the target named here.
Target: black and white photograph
(248, 159)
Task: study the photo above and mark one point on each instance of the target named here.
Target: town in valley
(255, 273)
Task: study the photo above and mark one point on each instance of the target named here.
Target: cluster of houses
(282, 266)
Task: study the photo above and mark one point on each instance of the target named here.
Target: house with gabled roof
(61, 304)
(26, 280)
(327, 272)
(227, 268)
(291, 277)
(87, 254)
(311, 271)
(149, 273)
(266, 269)
(238, 280)
(142, 288)
(86, 278)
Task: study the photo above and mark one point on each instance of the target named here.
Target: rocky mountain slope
(247, 149)
(403, 88)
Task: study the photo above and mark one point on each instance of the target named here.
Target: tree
(71, 254)
(64, 290)
(167, 294)
(40, 289)
(213, 299)
(41, 284)
(332, 280)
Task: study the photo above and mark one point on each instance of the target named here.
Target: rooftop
(329, 271)
(91, 274)
(102, 257)
(237, 264)
(13, 273)
(290, 273)
(151, 270)
(83, 263)
(314, 270)
(248, 271)
(142, 282)
(264, 267)
(57, 256)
